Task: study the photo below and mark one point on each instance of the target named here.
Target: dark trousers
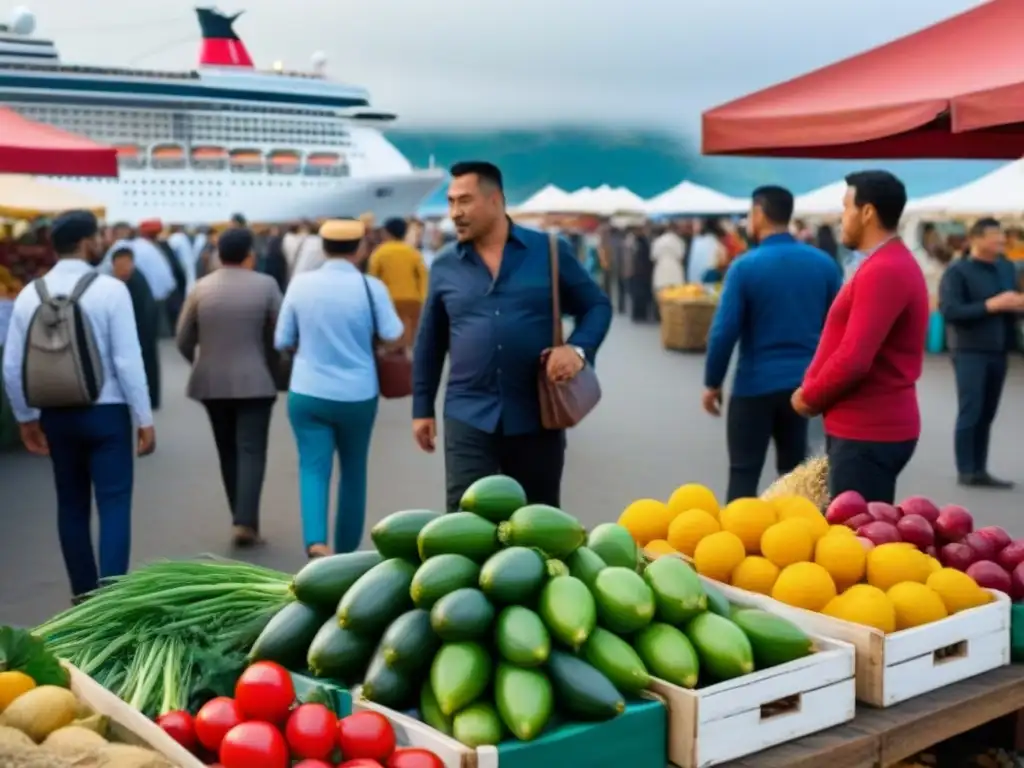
(92, 452)
(151, 363)
(622, 294)
(867, 467)
(240, 431)
(979, 385)
(751, 424)
(536, 460)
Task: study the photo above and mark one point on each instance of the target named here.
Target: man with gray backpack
(74, 375)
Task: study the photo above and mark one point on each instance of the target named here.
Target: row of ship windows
(134, 163)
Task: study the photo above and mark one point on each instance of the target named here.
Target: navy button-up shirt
(495, 329)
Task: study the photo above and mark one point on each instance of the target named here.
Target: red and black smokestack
(221, 46)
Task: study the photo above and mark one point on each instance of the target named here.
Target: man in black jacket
(979, 300)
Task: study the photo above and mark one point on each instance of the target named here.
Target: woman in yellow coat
(401, 268)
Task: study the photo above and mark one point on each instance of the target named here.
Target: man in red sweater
(863, 377)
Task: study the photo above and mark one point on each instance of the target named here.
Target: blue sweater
(774, 304)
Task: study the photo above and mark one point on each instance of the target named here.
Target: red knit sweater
(865, 371)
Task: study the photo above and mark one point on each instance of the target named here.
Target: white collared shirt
(108, 306)
(188, 257)
(151, 263)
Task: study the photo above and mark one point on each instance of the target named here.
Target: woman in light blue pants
(329, 318)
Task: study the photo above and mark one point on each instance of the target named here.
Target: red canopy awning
(37, 149)
(953, 90)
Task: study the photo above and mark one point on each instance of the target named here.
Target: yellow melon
(891, 564)
(915, 604)
(788, 542)
(646, 520)
(718, 555)
(689, 528)
(693, 496)
(804, 585)
(755, 574)
(843, 557)
(748, 519)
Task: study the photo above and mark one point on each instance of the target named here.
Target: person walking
(864, 374)
(668, 252)
(73, 370)
(774, 304)
(147, 316)
(489, 310)
(230, 317)
(329, 321)
(979, 300)
(401, 268)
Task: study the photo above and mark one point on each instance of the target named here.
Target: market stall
(27, 147)
(689, 199)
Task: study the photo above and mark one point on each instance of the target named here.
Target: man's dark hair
(882, 190)
(238, 220)
(397, 228)
(775, 202)
(234, 246)
(341, 247)
(485, 171)
(982, 226)
(122, 253)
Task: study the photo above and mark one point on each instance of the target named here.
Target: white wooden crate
(748, 714)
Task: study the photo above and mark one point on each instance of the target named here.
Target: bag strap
(42, 290)
(373, 311)
(83, 284)
(556, 299)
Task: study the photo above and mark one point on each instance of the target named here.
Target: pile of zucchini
(500, 619)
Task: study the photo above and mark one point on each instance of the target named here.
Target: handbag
(394, 368)
(563, 404)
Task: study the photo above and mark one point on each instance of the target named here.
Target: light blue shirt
(326, 314)
(187, 255)
(150, 261)
(108, 306)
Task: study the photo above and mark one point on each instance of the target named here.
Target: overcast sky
(652, 63)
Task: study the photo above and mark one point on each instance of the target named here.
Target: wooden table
(878, 738)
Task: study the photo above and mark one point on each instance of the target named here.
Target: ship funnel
(221, 46)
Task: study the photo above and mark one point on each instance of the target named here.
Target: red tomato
(313, 764)
(411, 757)
(312, 731)
(265, 692)
(254, 745)
(366, 734)
(181, 727)
(361, 762)
(216, 718)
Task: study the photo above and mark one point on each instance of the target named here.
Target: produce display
(505, 616)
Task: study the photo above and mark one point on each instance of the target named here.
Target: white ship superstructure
(196, 147)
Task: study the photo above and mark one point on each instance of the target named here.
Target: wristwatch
(579, 351)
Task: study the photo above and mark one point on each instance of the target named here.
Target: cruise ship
(196, 147)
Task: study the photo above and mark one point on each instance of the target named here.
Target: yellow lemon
(12, 685)
(718, 555)
(748, 519)
(864, 604)
(788, 542)
(843, 557)
(689, 528)
(933, 565)
(957, 590)
(800, 508)
(646, 520)
(693, 496)
(804, 585)
(659, 547)
(915, 604)
(755, 574)
(841, 530)
(891, 564)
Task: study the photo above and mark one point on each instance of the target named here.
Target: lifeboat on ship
(246, 160)
(130, 156)
(326, 164)
(167, 157)
(209, 158)
(284, 162)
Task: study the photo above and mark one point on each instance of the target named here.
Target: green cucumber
(388, 686)
(459, 674)
(465, 614)
(525, 700)
(513, 576)
(409, 643)
(723, 648)
(439, 576)
(287, 636)
(550, 530)
(717, 602)
(585, 564)
(495, 497)
(668, 654)
(395, 535)
(625, 603)
(521, 637)
(615, 545)
(379, 597)
(775, 640)
(478, 725)
(339, 653)
(568, 610)
(458, 533)
(430, 711)
(322, 582)
(678, 592)
(582, 690)
(617, 660)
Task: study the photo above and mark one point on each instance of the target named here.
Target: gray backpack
(62, 367)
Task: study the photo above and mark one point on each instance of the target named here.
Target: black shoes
(984, 480)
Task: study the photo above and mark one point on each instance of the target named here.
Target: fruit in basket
(997, 536)
(521, 637)
(494, 498)
(668, 653)
(412, 757)
(990, 575)
(583, 691)
(546, 528)
(804, 585)
(513, 575)
(920, 506)
(366, 735)
(430, 711)
(388, 686)
(787, 542)
(459, 533)
(748, 519)
(800, 508)
(287, 636)
(887, 513)
(625, 603)
(585, 564)
(916, 530)
(617, 660)
(678, 592)
(339, 653)
(409, 642)
(773, 639)
(568, 609)
(879, 532)
(840, 530)
(265, 691)
(686, 531)
(379, 597)
(214, 719)
(864, 604)
(1011, 555)
(615, 543)
(915, 605)
(396, 535)
(718, 555)
(465, 614)
(843, 557)
(646, 520)
(311, 731)
(441, 575)
(890, 564)
(459, 673)
(477, 725)
(845, 506)
(72, 742)
(525, 700)
(324, 581)
(1017, 583)
(693, 496)
(958, 591)
(954, 522)
(984, 548)
(181, 727)
(40, 711)
(12, 685)
(723, 649)
(756, 574)
(957, 555)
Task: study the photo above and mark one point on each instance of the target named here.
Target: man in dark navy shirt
(978, 299)
(489, 309)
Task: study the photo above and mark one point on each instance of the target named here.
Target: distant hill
(647, 162)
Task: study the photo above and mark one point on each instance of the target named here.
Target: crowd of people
(834, 331)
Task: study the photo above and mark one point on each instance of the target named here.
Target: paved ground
(648, 436)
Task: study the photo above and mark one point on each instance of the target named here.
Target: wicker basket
(685, 323)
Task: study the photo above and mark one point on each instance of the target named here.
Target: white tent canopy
(823, 201)
(546, 200)
(689, 199)
(603, 201)
(997, 193)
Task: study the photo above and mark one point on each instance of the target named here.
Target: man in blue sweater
(774, 304)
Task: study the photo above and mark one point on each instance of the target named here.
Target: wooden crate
(749, 714)
(685, 323)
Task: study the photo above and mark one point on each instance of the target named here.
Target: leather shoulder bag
(394, 368)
